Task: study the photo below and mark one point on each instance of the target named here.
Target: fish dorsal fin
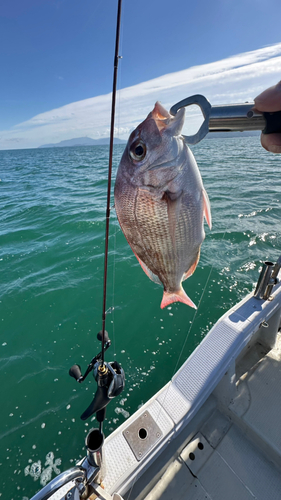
(173, 201)
(207, 208)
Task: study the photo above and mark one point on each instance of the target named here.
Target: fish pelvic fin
(192, 268)
(207, 208)
(148, 272)
(179, 296)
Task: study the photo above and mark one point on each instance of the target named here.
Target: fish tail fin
(179, 296)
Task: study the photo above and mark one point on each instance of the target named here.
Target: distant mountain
(87, 141)
(226, 135)
(82, 141)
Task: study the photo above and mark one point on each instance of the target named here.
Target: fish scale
(160, 202)
(154, 234)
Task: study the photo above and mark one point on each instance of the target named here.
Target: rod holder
(265, 280)
(274, 279)
(94, 445)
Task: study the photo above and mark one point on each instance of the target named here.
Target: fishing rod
(107, 215)
(110, 377)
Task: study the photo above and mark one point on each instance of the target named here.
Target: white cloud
(235, 79)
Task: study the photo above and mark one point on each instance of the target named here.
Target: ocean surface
(52, 213)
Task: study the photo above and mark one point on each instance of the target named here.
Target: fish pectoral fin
(207, 208)
(148, 272)
(179, 296)
(173, 200)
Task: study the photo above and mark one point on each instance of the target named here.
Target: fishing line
(107, 215)
(186, 338)
(235, 474)
(175, 369)
(194, 317)
(195, 314)
(113, 292)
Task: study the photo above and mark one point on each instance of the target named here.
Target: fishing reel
(110, 378)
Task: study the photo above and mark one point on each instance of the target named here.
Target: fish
(160, 202)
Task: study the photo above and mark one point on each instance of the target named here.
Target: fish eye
(138, 151)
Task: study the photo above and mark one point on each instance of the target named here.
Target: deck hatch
(142, 435)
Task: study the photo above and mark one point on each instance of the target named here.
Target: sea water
(52, 213)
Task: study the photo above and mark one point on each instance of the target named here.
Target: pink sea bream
(161, 202)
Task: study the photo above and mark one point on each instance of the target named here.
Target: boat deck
(236, 453)
(213, 431)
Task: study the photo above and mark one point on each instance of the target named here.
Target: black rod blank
(116, 60)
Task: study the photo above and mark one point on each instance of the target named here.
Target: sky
(56, 61)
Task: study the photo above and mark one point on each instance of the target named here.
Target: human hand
(269, 101)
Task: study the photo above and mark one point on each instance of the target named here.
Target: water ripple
(52, 208)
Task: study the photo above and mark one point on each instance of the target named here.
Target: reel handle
(75, 372)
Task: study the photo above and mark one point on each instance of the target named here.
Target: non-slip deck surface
(235, 456)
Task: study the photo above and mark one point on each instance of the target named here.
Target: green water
(52, 208)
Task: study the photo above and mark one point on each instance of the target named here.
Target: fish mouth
(159, 113)
(165, 121)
